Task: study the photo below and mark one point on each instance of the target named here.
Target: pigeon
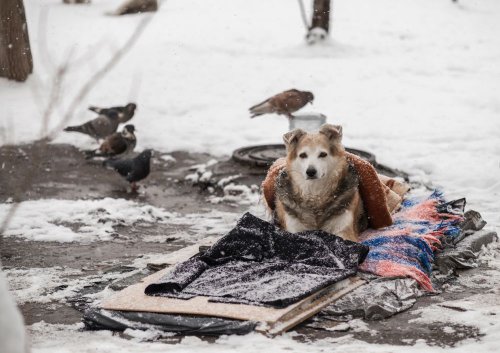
(117, 144)
(133, 170)
(100, 127)
(285, 103)
(124, 113)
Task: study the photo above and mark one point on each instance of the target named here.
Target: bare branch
(98, 75)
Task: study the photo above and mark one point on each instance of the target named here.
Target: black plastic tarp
(100, 319)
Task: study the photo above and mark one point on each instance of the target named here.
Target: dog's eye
(303, 155)
(322, 155)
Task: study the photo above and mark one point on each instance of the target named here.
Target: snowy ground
(415, 82)
(477, 311)
(94, 220)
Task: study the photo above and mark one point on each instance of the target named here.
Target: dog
(318, 188)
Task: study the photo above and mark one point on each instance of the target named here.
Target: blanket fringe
(407, 247)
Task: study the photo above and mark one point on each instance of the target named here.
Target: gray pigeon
(133, 170)
(124, 113)
(100, 127)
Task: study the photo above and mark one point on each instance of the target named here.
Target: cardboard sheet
(272, 320)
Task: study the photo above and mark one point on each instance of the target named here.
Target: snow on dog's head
(313, 156)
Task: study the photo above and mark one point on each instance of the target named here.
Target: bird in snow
(284, 103)
(124, 113)
(100, 127)
(117, 144)
(134, 169)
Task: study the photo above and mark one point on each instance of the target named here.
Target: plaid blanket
(406, 249)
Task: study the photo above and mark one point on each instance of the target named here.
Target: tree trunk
(320, 24)
(321, 15)
(16, 62)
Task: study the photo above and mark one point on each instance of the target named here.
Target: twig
(303, 14)
(54, 94)
(98, 75)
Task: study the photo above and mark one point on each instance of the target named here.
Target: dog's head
(313, 156)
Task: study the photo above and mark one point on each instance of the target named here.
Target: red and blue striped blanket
(406, 249)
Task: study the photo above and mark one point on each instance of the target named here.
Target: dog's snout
(311, 172)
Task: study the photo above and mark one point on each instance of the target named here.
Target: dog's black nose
(311, 172)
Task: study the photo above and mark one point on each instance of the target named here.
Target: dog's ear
(332, 132)
(292, 137)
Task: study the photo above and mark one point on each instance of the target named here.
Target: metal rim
(250, 155)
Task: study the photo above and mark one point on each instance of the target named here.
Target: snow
(168, 158)
(97, 220)
(55, 284)
(238, 195)
(415, 82)
(54, 220)
(206, 224)
(67, 338)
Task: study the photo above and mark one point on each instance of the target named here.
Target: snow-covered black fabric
(259, 263)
